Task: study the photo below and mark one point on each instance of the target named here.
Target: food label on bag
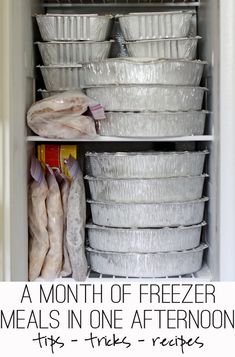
(97, 111)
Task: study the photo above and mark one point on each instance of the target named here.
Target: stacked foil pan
(70, 41)
(152, 25)
(142, 71)
(181, 48)
(163, 35)
(147, 208)
(147, 212)
(156, 92)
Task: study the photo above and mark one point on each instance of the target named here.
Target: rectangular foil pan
(148, 97)
(147, 264)
(142, 71)
(151, 25)
(145, 164)
(180, 48)
(152, 124)
(61, 77)
(147, 215)
(72, 53)
(144, 240)
(82, 27)
(170, 189)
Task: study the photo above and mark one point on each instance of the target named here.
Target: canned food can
(56, 156)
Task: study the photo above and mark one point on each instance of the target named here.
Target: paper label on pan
(97, 111)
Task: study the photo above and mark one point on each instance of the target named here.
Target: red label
(52, 156)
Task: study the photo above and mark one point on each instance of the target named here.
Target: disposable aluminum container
(181, 48)
(147, 264)
(72, 53)
(144, 240)
(142, 71)
(151, 25)
(61, 77)
(170, 189)
(148, 97)
(147, 215)
(152, 124)
(59, 27)
(145, 164)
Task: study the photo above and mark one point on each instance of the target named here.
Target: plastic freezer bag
(37, 215)
(61, 116)
(76, 220)
(64, 190)
(53, 260)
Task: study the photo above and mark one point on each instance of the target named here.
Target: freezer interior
(22, 32)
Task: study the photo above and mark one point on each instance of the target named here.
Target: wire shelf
(203, 274)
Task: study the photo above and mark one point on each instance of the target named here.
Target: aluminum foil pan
(147, 264)
(61, 77)
(144, 240)
(145, 164)
(81, 27)
(181, 48)
(151, 25)
(147, 215)
(142, 71)
(72, 53)
(170, 189)
(159, 98)
(152, 124)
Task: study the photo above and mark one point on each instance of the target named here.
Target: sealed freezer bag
(53, 261)
(64, 190)
(76, 220)
(61, 116)
(37, 215)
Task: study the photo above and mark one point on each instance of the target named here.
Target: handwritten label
(97, 112)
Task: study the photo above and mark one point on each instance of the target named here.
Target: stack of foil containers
(147, 207)
(155, 92)
(147, 212)
(70, 41)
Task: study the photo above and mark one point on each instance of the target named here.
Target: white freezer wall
(16, 43)
(227, 141)
(209, 49)
(215, 24)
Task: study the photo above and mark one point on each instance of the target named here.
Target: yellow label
(56, 155)
(65, 152)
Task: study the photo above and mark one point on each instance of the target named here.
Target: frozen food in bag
(37, 216)
(76, 220)
(62, 116)
(64, 184)
(53, 261)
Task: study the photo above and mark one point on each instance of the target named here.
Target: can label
(56, 156)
